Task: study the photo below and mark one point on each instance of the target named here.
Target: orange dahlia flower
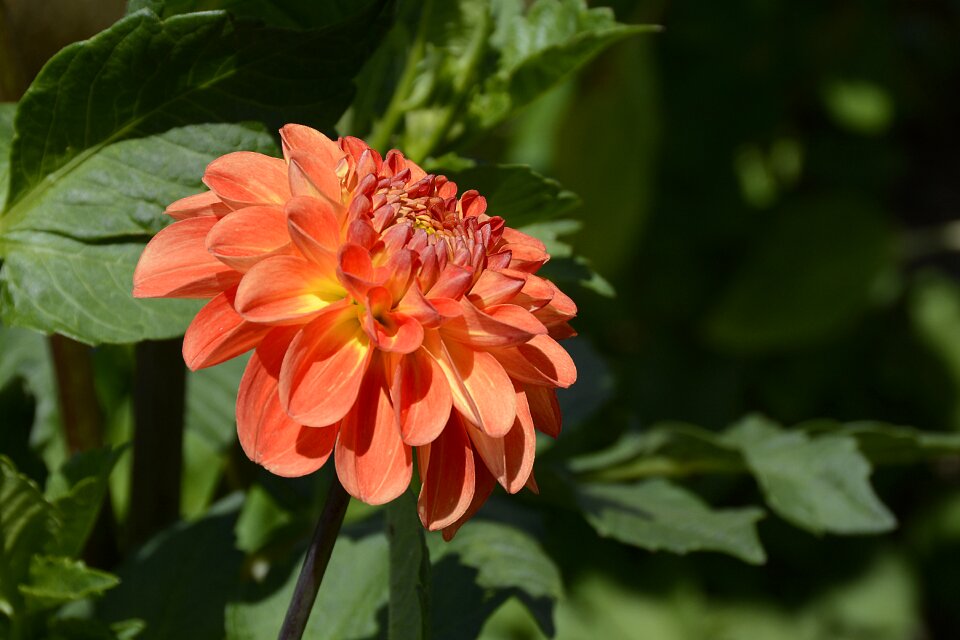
(386, 314)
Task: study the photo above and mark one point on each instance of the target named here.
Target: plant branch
(315, 563)
(79, 410)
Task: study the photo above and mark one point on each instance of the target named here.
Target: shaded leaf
(7, 110)
(821, 484)
(658, 515)
(409, 612)
(56, 580)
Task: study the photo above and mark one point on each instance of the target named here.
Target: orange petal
(447, 477)
(176, 264)
(324, 366)
(249, 235)
(313, 175)
(483, 487)
(544, 409)
(201, 204)
(493, 287)
(355, 270)
(510, 458)
(482, 391)
(218, 333)
(542, 361)
(398, 333)
(243, 178)
(296, 137)
(373, 463)
(314, 227)
(452, 282)
(421, 398)
(269, 436)
(286, 289)
(499, 326)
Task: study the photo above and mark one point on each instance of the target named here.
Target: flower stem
(315, 563)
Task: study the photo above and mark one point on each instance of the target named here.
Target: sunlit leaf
(55, 580)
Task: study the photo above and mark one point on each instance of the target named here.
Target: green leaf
(358, 569)
(290, 14)
(56, 580)
(78, 490)
(143, 76)
(820, 484)
(180, 581)
(7, 109)
(807, 280)
(484, 564)
(69, 260)
(658, 515)
(409, 612)
(92, 629)
(538, 49)
(27, 522)
(516, 193)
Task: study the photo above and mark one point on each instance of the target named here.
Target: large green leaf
(56, 580)
(78, 490)
(69, 260)
(27, 522)
(180, 581)
(291, 14)
(480, 568)
(658, 515)
(358, 571)
(409, 613)
(821, 484)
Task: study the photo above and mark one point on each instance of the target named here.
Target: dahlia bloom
(386, 314)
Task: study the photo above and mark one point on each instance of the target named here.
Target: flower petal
(510, 458)
(542, 361)
(314, 226)
(493, 287)
(314, 176)
(218, 333)
(176, 264)
(482, 390)
(421, 398)
(269, 436)
(201, 204)
(483, 487)
(286, 289)
(296, 137)
(447, 476)
(372, 461)
(498, 326)
(243, 178)
(249, 235)
(324, 366)
(544, 409)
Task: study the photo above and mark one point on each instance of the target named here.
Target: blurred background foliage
(770, 188)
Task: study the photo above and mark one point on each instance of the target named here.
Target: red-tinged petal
(472, 204)
(249, 235)
(536, 293)
(176, 264)
(399, 333)
(373, 463)
(509, 325)
(324, 366)
(483, 487)
(311, 175)
(286, 289)
(542, 361)
(243, 179)
(218, 333)
(527, 258)
(510, 458)
(512, 236)
(448, 478)
(355, 270)
(269, 436)
(416, 306)
(421, 398)
(482, 390)
(296, 137)
(416, 173)
(453, 282)
(493, 287)
(544, 409)
(561, 331)
(532, 484)
(314, 226)
(201, 204)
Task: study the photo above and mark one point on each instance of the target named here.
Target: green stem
(380, 138)
(315, 563)
(79, 410)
